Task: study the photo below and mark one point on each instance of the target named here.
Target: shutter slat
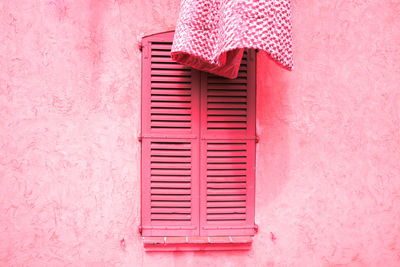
(165, 53)
(225, 112)
(227, 154)
(170, 204)
(169, 191)
(170, 165)
(171, 153)
(169, 117)
(179, 79)
(172, 105)
(227, 165)
(171, 197)
(171, 185)
(171, 98)
(226, 198)
(241, 178)
(227, 118)
(167, 124)
(171, 217)
(185, 92)
(233, 210)
(172, 111)
(224, 191)
(214, 80)
(226, 217)
(163, 66)
(169, 72)
(227, 92)
(169, 145)
(229, 99)
(244, 61)
(226, 185)
(169, 178)
(161, 46)
(171, 159)
(226, 172)
(164, 172)
(170, 85)
(224, 160)
(162, 59)
(226, 204)
(223, 146)
(171, 210)
(229, 87)
(228, 105)
(227, 125)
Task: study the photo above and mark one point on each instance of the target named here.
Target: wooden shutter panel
(227, 150)
(170, 145)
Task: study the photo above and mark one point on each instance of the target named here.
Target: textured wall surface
(328, 172)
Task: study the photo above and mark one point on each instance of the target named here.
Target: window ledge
(197, 243)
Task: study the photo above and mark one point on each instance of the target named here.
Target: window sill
(189, 243)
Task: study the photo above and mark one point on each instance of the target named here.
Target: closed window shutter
(228, 152)
(170, 148)
(197, 170)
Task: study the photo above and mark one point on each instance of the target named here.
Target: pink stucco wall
(328, 161)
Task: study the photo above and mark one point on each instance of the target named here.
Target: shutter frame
(165, 132)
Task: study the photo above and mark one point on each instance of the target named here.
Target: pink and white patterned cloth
(211, 34)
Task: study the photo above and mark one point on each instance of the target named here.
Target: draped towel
(210, 35)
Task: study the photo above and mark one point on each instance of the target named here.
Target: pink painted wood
(227, 152)
(170, 148)
(197, 170)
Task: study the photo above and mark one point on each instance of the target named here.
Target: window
(198, 146)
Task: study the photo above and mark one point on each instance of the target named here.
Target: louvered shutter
(197, 170)
(227, 151)
(170, 143)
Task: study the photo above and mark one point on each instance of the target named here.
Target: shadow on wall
(272, 128)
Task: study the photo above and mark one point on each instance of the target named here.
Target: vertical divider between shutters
(196, 88)
(203, 152)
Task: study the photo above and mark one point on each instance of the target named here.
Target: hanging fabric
(211, 34)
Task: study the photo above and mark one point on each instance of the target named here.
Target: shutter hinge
(140, 137)
(256, 228)
(140, 229)
(140, 46)
(257, 139)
